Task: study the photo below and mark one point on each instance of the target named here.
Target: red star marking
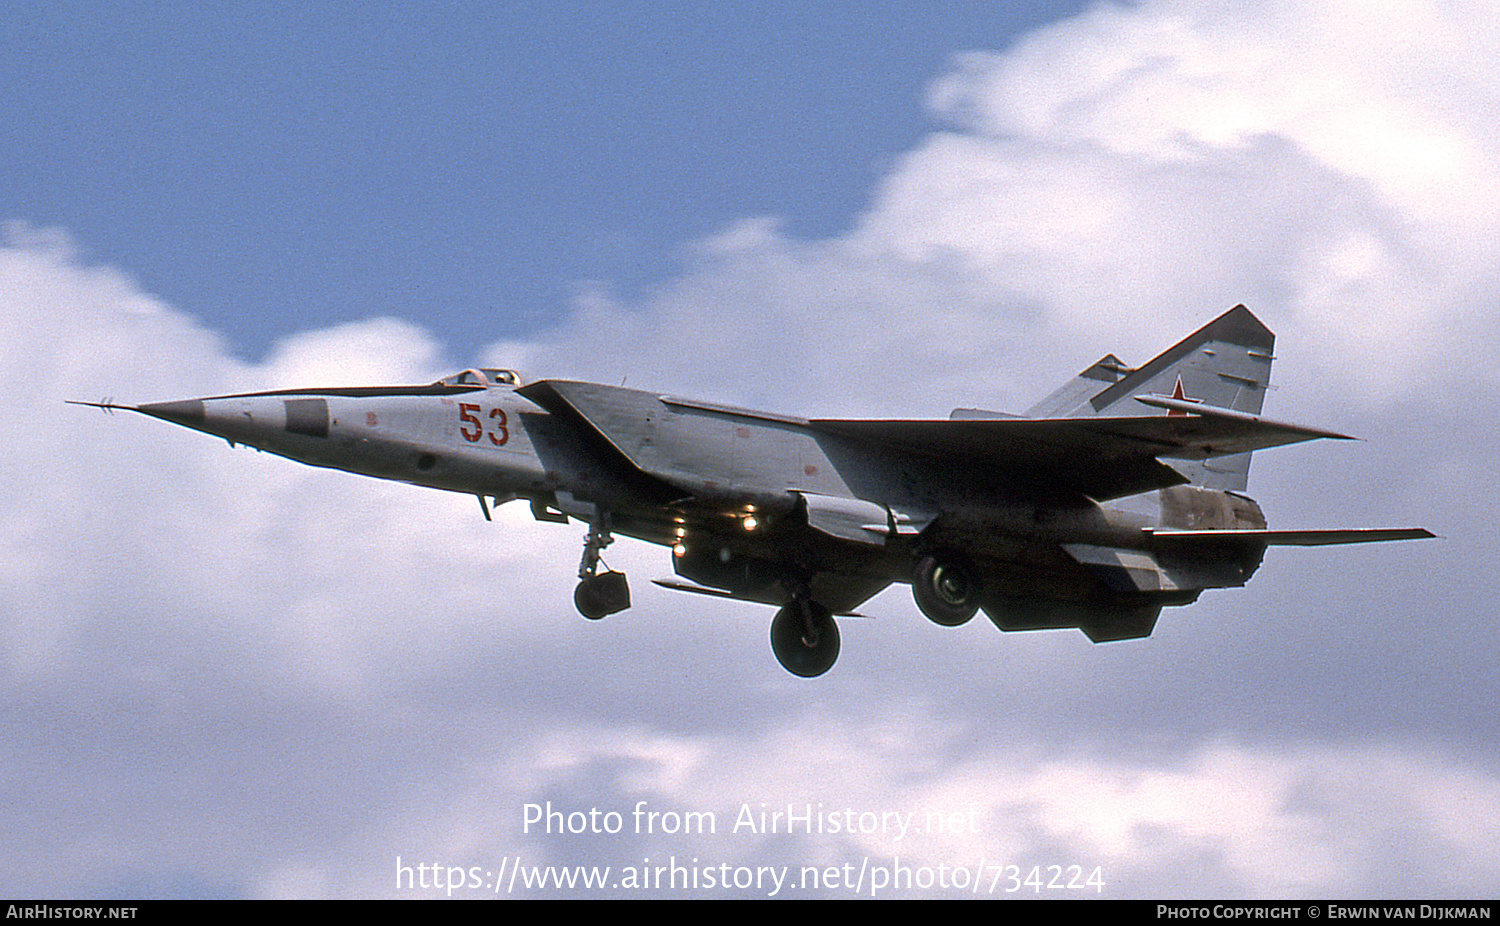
(1178, 393)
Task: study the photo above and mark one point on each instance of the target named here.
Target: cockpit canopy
(486, 377)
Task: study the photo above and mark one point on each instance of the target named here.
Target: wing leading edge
(1102, 458)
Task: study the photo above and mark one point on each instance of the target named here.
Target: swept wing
(1101, 458)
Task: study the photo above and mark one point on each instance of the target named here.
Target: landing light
(750, 522)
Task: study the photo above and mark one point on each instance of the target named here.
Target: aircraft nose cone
(188, 412)
(265, 420)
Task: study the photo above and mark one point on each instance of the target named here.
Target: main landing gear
(805, 638)
(599, 593)
(946, 590)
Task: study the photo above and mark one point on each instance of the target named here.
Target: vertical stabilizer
(1072, 395)
(1225, 364)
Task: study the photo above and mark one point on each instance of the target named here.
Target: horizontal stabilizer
(1308, 538)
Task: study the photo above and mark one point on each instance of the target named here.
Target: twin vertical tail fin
(1226, 364)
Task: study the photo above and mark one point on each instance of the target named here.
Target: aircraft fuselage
(1123, 495)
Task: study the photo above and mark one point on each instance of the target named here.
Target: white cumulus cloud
(237, 675)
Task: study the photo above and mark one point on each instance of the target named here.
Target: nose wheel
(599, 593)
(805, 638)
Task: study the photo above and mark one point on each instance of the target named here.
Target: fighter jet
(1119, 494)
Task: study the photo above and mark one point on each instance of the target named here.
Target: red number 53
(473, 428)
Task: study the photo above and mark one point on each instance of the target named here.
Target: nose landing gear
(599, 593)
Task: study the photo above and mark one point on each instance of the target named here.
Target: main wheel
(805, 639)
(946, 591)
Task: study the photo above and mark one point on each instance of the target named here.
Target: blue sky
(225, 674)
(272, 167)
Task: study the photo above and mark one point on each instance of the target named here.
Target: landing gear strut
(805, 638)
(599, 593)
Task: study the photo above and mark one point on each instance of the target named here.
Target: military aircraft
(1119, 494)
